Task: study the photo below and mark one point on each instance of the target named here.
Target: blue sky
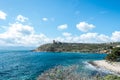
(35, 22)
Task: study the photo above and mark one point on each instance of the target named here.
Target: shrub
(114, 55)
(111, 77)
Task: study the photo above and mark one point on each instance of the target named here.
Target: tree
(114, 55)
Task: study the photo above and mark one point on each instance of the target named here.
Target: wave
(101, 70)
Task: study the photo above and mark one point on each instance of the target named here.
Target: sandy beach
(112, 66)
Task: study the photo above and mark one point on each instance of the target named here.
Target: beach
(112, 66)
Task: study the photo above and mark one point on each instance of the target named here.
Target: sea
(28, 65)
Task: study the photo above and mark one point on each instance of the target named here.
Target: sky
(31, 23)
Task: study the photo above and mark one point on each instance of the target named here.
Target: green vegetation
(114, 55)
(111, 77)
(70, 73)
(77, 47)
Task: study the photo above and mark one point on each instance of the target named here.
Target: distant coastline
(77, 47)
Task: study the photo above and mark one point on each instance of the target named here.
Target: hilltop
(77, 47)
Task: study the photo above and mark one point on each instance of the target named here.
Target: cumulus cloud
(62, 27)
(84, 27)
(3, 15)
(86, 38)
(94, 38)
(45, 19)
(66, 34)
(21, 18)
(115, 36)
(103, 38)
(22, 35)
(18, 34)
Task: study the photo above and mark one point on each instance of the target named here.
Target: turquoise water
(27, 65)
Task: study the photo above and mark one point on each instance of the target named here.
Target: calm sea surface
(27, 65)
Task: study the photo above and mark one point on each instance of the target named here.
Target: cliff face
(76, 47)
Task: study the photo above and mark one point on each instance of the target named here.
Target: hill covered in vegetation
(77, 47)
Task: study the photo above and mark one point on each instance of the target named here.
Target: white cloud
(18, 34)
(88, 37)
(84, 27)
(45, 19)
(66, 34)
(62, 27)
(94, 38)
(3, 15)
(103, 38)
(21, 18)
(115, 36)
(22, 35)
(85, 38)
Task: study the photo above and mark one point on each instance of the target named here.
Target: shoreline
(69, 52)
(111, 66)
